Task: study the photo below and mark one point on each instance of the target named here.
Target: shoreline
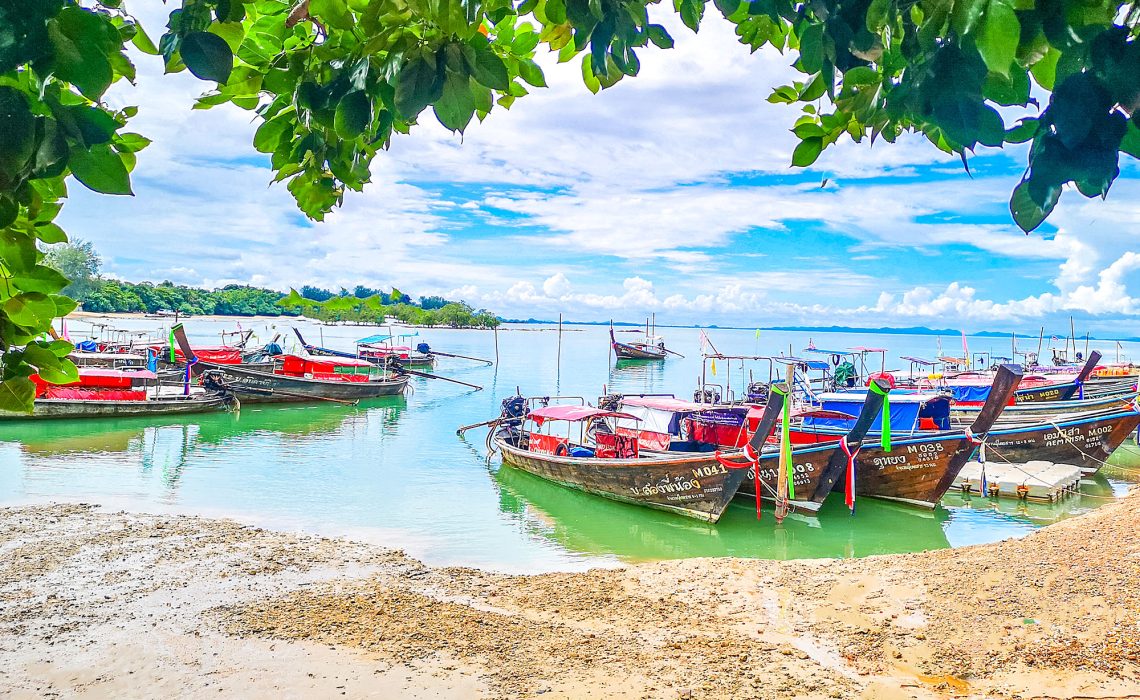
(104, 603)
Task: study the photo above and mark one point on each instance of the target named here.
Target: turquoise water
(393, 471)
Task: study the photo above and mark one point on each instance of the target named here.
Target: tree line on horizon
(81, 264)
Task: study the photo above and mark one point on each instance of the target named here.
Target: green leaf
(807, 152)
(49, 233)
(79, 45)
(999, 37)
(49, 366)
(417, 86)
(332, 13)
(1023, 131)
(17, 395)
(353, 114)
(811, 48)
(63, 305)
(40, 278)
(1130, 144)
(861, 76)
(489, 69)
(659, 36)
(208, 56)
(130, 142)
(965, 15)
(100, 169)
(30, 309)
(268, 136)
(1045, 70)
(143, 42)
(530, 72)
(61, 348)
(456, 106)
(1027, 213)
(18, 127)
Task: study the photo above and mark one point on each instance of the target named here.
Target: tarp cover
(904, 414)
(573, 413)
(662, 403)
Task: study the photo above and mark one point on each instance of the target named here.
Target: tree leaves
(531, 73)
(353, 114)
(807, 151)
(418, 85)
(456, 105)
(29, 309)
(207, 56)
(999, 37)
(100, 169)
(489, 70)
(659, 36)
(17, 394)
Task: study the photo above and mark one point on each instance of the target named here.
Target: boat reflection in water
(148, 456)
(637, 376)
(585, 523)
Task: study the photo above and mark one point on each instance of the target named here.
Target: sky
(670, 193)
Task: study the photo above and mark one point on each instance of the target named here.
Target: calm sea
(393, 471)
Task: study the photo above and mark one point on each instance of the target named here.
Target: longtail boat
(610, 464)
(1085, 440)
(297, 378)
(917, 470)
(105, 392)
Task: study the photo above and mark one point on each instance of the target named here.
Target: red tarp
(63, 392)
(547, 444)
(663, 403)
(648, 439)
(574, 413)
(298, 366)
(610, 446)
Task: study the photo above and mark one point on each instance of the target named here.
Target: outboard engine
(757, 392)
(706, 395)
(609, 402)
(423, 348)
(513, 411)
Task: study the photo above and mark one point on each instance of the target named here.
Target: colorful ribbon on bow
(885, 440)
(171, 341)
(849, 496)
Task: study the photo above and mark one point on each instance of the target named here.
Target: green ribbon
(786, 442)
(172, 359)
(885, 441)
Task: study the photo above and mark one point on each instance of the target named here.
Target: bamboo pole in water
(496, 330)
(558, 360)
(782, 477)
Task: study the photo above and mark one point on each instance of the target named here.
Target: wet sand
(102, 604)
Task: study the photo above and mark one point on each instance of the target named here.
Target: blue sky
(669, 193)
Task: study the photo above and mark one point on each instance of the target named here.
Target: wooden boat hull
(1035, 413)
(917, 471)
(79, 408)
(690, 484)
(253, 386)
(1083, 441)
(628, 352)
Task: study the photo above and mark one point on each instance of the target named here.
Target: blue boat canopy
(907, 412)
(373, 339)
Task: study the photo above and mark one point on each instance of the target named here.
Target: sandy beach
(102, 604)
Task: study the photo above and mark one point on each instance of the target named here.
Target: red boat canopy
(574, 413)
(664, 403)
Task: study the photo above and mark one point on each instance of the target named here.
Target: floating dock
(1034, 481)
